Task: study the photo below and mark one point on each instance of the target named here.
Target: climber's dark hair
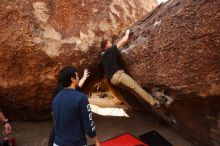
(103, 44)
(59, 88)
(64, 77)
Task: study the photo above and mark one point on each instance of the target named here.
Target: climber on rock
(116, 74)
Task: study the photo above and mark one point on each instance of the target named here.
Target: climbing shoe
(160, 102)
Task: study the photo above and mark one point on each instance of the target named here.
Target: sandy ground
(36, 133)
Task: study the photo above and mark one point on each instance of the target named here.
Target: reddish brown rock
(37, 38)
(176, 49)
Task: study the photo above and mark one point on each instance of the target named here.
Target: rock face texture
(176, 50)
(37, 38)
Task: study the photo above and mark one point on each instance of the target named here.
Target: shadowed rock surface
(37, 38)
(175, 49)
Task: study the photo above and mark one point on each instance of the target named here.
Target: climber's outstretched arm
(124, 39)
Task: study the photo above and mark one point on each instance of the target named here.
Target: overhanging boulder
(175, 49)
(37, 38)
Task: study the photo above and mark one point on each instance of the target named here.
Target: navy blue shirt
(110, 61)
(72, 117)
